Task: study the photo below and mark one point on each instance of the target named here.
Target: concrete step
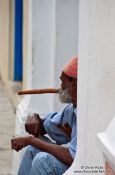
(7, 125)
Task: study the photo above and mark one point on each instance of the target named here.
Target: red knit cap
(71, 68)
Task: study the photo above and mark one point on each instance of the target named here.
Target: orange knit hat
(71, 68)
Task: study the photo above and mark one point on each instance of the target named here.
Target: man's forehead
(64, 76)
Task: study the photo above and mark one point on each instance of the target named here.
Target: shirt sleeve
(55, 133)
(73, 142)
(67, 115)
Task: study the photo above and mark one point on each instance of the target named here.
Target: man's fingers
(27, 124)
(65, 128)
(37, 116)
(32, 125)
(16, 143)
(17, 147)
(36, 131)
(26, 127)
(14, 146)
(59, 126)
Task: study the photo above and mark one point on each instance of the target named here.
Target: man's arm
(58, 151)
(61, 153)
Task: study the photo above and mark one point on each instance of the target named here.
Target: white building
(53, 32)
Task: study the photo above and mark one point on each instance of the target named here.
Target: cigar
(38, 91)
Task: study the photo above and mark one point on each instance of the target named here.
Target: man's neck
(74, 101)
(75, 104)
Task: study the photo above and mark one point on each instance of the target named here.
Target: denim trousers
(37, 162)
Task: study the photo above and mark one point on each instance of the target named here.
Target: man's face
(64, 93)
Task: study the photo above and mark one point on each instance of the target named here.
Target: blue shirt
(68, 115)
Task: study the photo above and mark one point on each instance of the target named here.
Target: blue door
(18, 43)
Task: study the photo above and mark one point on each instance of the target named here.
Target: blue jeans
(36, 162)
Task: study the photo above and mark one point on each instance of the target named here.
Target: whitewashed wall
(52, 41)
(55, 37)
(4, 37)
(96, 84)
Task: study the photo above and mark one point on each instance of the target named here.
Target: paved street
(7, 124)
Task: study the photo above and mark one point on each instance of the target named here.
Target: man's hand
(65, 128)
(33, 125)
(17, 142)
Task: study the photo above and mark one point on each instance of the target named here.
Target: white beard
(64, 96)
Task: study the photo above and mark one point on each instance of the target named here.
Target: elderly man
(43, 156)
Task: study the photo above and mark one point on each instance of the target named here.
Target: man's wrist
(33, 141)
(29, 139)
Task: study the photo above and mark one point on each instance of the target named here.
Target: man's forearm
(61, 153)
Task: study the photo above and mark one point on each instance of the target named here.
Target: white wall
(52, 41)
(102, 67)
(55, 37)
(96, 81)
(4, 38)
(96, 84)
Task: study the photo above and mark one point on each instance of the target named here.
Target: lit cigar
(38, 91)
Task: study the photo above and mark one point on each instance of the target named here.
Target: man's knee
(30, 151)
(41, 159)
(30, 148)
(45, 163)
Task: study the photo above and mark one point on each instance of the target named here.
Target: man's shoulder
(70, 115)
(69, 107)
(68, 111)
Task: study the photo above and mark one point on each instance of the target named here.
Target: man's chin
(64, 96)
(65, 100)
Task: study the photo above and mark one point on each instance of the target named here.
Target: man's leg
(27, 159)
(46, 164)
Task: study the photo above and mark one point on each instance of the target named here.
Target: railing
(107, 144)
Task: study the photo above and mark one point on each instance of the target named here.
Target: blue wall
(18, 47)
